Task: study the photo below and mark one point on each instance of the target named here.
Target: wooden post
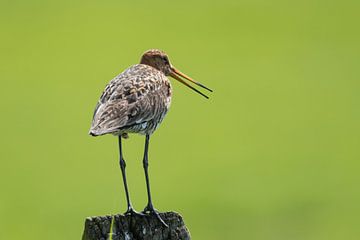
(135, 227)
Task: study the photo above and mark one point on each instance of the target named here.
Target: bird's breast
(168, 92)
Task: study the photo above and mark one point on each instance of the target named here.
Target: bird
(135, 102)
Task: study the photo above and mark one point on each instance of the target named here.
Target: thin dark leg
(146, 165)
(130, 209)
(149, 208)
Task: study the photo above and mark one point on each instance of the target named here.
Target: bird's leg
(149, 207)
(130, 209)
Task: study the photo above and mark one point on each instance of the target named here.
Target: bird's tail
(94, 134)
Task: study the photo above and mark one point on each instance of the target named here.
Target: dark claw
(160, 219)
(131, 211)
(149, 209)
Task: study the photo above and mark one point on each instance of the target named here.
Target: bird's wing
(128, 99)
(149, 107)
(106, 117)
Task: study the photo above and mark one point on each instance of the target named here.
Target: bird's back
(135, 101)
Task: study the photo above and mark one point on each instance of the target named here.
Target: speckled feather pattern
(135, 101)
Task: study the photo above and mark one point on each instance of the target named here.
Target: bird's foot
(149, 209)
(131, 211)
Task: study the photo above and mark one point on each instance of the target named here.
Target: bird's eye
(165, 59)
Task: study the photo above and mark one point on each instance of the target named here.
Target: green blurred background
(274, 154)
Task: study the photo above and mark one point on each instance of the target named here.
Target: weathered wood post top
(135, 227)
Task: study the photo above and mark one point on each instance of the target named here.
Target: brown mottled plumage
(136, 101)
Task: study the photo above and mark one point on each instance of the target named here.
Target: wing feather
(130, 98)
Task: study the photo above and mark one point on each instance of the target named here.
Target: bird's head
(159, 60)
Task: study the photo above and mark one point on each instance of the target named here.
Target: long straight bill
(189, 78)
(172, 74)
